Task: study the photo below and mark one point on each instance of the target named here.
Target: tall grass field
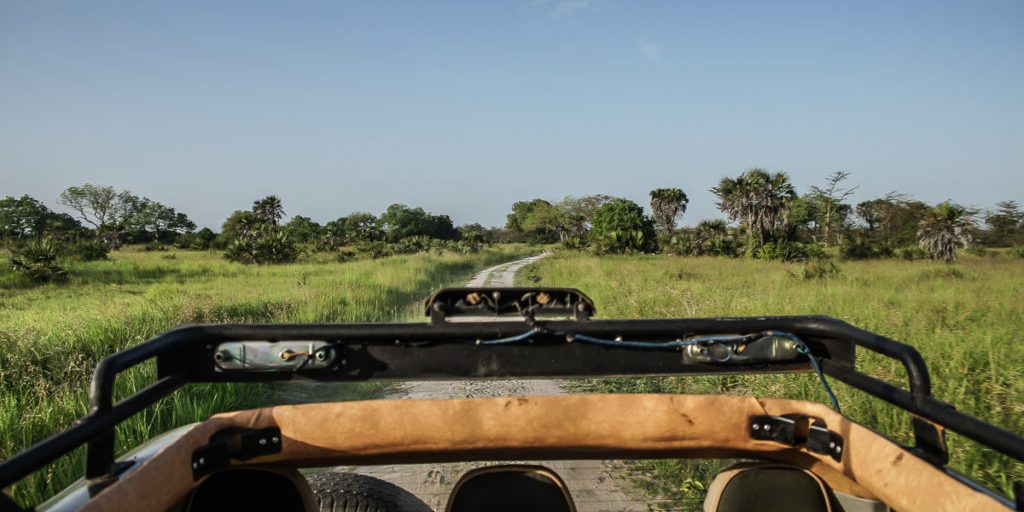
(52, 336)
(967, 320)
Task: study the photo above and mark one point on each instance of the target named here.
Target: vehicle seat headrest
(767, 487)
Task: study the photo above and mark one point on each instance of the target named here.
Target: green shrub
(1017, 251)
(912, 253)
(817, 269)
(859, 248)
(37, 260)
(345, 254)
(620, 226)
(274, 247)
(87, 250)
(787, 251)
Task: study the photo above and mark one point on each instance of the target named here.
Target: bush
(979, 250)
(272, 247)
(620, 226)
(859, 248)
(818, 269)
(87, 250)
(38, 261)
(787, 251)
(709, 238)
(912, 253)
(345, 254)
(1017, 251)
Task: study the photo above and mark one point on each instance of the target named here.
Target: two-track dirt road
(595, 485)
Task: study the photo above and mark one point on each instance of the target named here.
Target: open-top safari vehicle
(798, 455)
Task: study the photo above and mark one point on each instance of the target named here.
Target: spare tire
(351, 492)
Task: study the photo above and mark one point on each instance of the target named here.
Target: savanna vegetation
(54, 334)
(965, 319)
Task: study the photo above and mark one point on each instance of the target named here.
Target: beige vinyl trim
(554, 427)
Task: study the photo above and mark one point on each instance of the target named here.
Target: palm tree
(268, 210)
(666, 205)
(760, 200)
(943, 229)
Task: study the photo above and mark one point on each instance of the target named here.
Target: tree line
(765, 218)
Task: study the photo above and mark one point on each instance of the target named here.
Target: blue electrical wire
(505, 341)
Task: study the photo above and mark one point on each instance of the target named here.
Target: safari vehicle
(797, 455)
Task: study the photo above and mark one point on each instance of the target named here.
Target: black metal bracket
(526, 302)
(929, 441)
(241, 444)
(798, 430)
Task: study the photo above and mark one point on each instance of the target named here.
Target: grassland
(52, 336)
(966, 319)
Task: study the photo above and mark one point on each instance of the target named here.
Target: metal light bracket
(241, 444)
(798, 430)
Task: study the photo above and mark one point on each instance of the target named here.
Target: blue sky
(465, 107)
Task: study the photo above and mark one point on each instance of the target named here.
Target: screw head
(767, 427)
(263, 442)
(839, 449)
(757, 426)
(275, 440)
(832, 445)
(195, 465)
(202, 461)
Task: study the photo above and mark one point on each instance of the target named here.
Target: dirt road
(595, 485)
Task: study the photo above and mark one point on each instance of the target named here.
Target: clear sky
(465, 107)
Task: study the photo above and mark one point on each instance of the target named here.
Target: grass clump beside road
(54, 335)
(966, 319)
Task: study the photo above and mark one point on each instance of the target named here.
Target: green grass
(966, 319)
(53, 335)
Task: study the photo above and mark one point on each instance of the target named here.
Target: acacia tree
(829, 202)
(99, 206)
(667, 204)
(945, 228)
(1005, 225)
(893, 219)
(760, 200)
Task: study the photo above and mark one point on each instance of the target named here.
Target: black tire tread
(352, 492)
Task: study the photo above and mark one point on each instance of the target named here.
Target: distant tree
(268, 211)
(332, 235)
(621, 226)
(892, 220)
(945, 228)
(473, 233)
(667, 204)
(26, 217)
(760, 200)
(363, 227)
(534, 221)
(142, 220)
(1005, 225)
(100, 207)
(257, 235)
(401, 221)
(829, 202)
(233, 226)
(574, 217)
(303, 230)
